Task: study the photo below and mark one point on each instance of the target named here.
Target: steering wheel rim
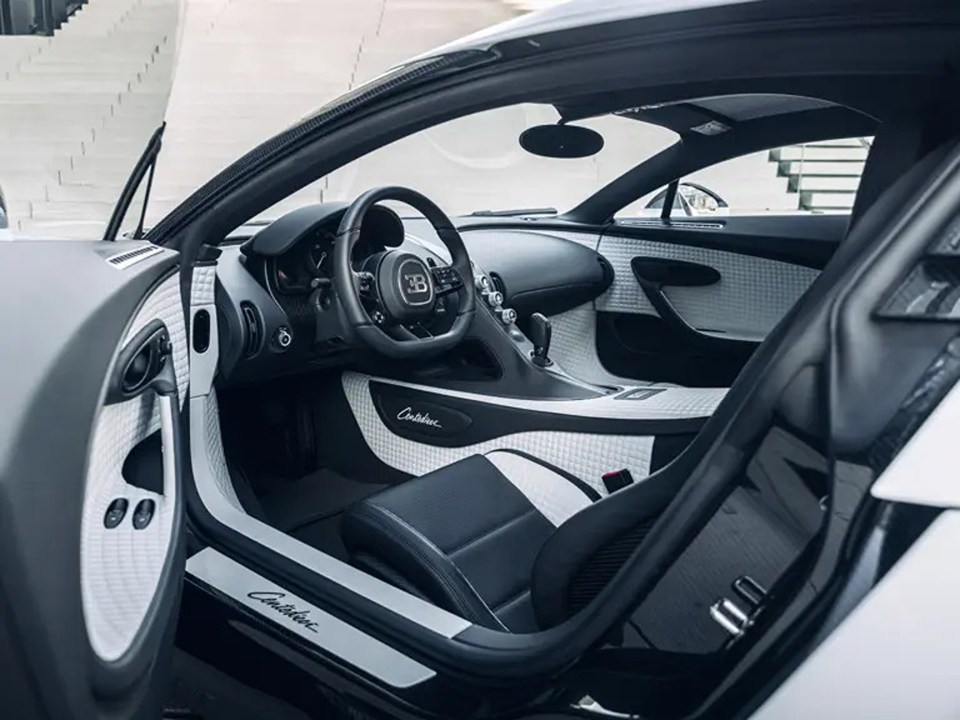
(346, 281)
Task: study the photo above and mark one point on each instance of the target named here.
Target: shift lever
(540, 332)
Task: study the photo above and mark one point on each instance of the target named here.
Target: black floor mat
(309, 508)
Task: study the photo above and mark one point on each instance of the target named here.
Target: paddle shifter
(540, 332)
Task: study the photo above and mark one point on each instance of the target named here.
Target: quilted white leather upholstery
(751, 297)
(585, 456)
(120, 568)
(574, 347)
(201, 289)
(215, 454)
(554, 496)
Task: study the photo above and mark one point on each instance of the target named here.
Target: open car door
(95, 369)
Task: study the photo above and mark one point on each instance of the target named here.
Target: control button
(446, 277)
(495, 298)
(377, 317)
(366, 283)
(483, 282)
(283, 337)
(143, 514)
(508, 316)
(116, 511)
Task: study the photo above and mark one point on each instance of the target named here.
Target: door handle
(675, 273)
(654, 274)
(145, 363)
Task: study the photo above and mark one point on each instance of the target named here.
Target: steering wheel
(401, 289)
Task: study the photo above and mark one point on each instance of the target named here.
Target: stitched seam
(449, 583)
(492, 531)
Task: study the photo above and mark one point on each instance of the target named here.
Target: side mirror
(561, 141)
(691, 199)
(699, 200)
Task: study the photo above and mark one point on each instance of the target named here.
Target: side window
(818, 177)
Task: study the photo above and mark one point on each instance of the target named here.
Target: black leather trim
(583, 487)
(488, 533)
(384, 535)
(463, 536)
(666, 449)
(576, 543)
(490, 421)
(386, 573)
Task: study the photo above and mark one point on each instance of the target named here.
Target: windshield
(475, 164)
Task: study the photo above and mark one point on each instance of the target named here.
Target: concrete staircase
(76, 110)
(250, 68)
(825, 174)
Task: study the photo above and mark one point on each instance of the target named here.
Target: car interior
(476, 422)
(503, 376)
(425, 449)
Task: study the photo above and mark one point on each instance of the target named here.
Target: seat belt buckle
(617, 480)
(730, 616)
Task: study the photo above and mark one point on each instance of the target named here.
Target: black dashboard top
(381, 224)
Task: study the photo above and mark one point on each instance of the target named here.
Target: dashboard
(277, 306)
(298, 248)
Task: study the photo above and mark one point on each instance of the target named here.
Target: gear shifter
(540, 332)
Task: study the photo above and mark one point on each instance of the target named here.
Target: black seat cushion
(466, 536)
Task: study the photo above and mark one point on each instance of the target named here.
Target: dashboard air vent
(253, 329)
(498, 285)
(131, 257)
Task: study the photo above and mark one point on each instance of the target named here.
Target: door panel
(752, 294)
(682, 309)
(86, 610)
(641, 346)
(122, 567)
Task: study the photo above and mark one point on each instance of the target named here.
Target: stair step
(12, 162)
(842, 142)
(829, 184)
(828, 200)
(97, 192)
(833, 154)
(61, 229)
(15, 147)
(818, 167)
(47, 210)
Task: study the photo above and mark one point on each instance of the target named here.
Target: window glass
(476, 163)
(820, 177)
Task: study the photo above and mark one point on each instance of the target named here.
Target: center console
(497, 358)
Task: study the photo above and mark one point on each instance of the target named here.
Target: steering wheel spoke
(446, 280)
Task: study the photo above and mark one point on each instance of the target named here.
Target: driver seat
(468, 538)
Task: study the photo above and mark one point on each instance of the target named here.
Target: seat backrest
(781, 381)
